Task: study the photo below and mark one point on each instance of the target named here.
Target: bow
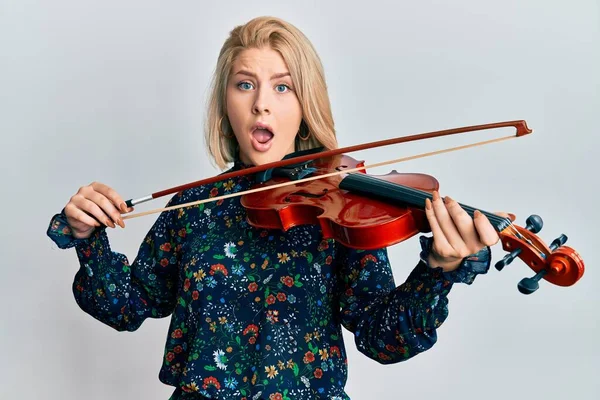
(302, 157)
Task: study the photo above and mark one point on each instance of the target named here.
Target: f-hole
(308, 195)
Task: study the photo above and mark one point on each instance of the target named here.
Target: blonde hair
(307, 75)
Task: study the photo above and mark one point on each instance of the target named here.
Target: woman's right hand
(97, 200)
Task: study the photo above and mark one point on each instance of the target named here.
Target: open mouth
(262, 136)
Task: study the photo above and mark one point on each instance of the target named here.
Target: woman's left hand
(455, 234)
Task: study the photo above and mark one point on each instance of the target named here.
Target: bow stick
(520, 125)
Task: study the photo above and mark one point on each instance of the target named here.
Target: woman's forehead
(264, 61)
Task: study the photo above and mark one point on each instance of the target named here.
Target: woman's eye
(282, 88)
(245, 85)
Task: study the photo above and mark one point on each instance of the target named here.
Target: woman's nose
(261, 103)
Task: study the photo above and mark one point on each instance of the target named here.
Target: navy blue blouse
(257, 313)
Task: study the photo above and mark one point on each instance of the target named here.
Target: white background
(115, 92)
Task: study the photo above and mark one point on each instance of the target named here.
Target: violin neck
(393, 192)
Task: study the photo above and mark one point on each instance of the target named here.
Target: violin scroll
(558, 264)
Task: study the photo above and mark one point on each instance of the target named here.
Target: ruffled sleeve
(61, 234)
(467, 271)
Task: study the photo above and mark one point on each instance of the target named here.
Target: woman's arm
(392, 324)
(118, 293)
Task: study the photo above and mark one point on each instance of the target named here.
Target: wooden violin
(365, 211)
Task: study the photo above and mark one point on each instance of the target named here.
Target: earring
(307, 136)
(220, 127)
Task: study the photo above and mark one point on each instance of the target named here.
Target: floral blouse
(258, 313)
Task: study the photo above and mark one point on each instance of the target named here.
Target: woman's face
(262, 106)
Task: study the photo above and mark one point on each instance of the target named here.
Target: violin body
(350, 218)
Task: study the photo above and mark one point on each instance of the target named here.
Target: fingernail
(428, 204)
(123, 207)
(476, 213)
(436, 195)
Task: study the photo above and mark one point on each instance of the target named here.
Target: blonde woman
(257, 313)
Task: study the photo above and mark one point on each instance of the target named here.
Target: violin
(364, 211)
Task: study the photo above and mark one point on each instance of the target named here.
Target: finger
(487, 234)
(108, 207)
(112, 195)
(447, 224)
(78, 215)
(88, 203)
(442, 244)
(464, 224)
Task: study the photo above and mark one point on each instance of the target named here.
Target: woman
(257, 313)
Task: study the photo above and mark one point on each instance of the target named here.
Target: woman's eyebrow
(253, 75)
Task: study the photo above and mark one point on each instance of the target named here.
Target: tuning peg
(534, 223)
(530, 285)
(507, 259)
(559, 241)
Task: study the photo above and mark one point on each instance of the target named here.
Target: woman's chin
(260, 155)
(261, 158)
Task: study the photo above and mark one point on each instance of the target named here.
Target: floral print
(257, 313)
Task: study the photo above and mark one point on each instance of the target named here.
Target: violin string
(417, 197)
(528, 241)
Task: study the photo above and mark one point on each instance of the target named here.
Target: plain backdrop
(116, 92)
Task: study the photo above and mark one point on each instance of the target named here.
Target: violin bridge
(291, 172)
